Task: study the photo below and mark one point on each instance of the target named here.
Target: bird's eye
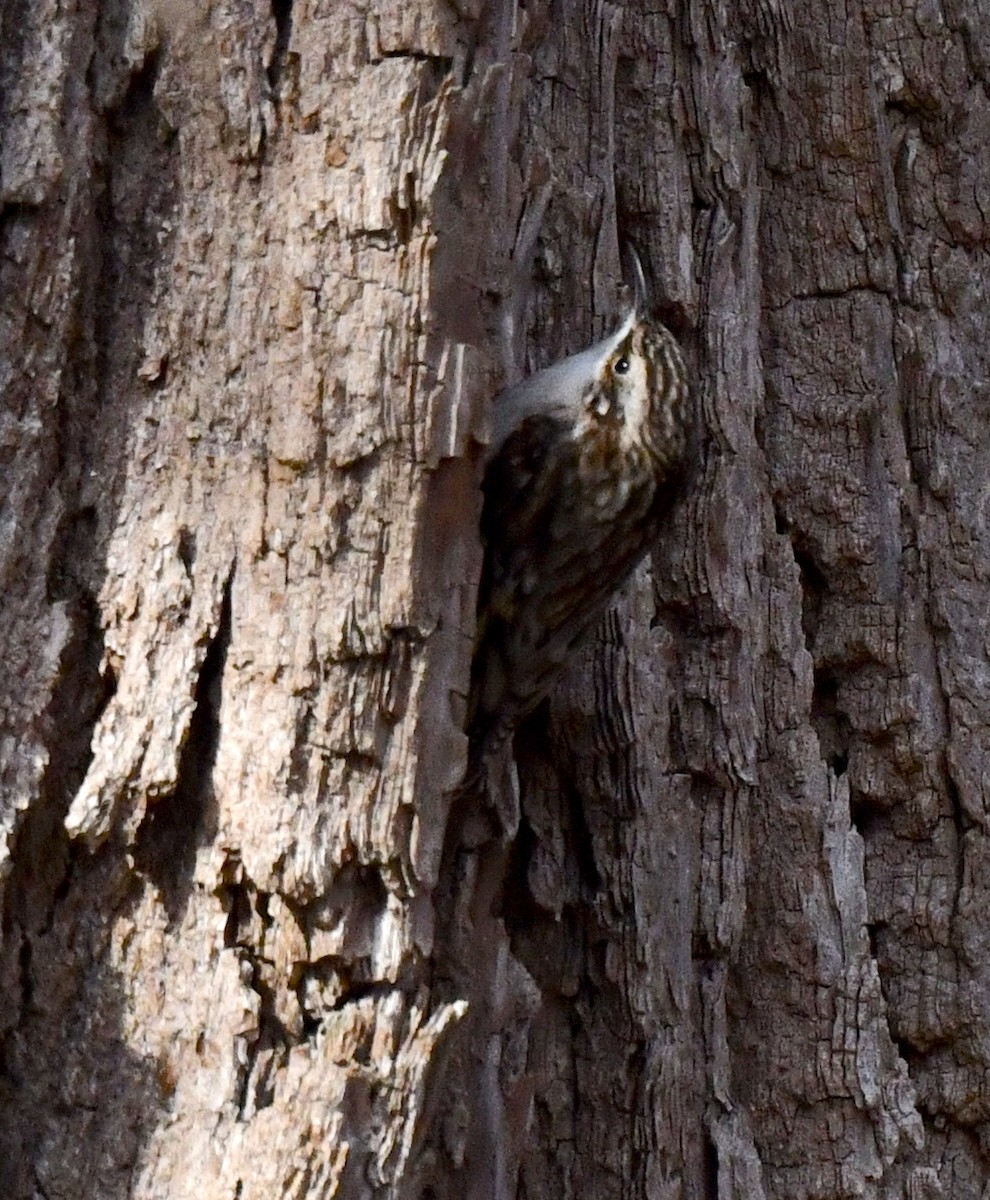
(621, 366)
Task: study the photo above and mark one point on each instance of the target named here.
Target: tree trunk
(262, 269)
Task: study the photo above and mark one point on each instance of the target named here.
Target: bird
(585, 460)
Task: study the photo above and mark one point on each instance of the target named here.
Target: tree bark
(722, 930)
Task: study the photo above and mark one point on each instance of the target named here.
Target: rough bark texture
(261, 269)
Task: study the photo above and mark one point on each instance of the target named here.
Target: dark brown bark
(262, 270)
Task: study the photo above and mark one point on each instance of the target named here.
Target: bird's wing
(524, 485)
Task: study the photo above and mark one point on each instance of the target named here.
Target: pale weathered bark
(261, 270)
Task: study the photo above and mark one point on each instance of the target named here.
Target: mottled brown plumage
(583, 465)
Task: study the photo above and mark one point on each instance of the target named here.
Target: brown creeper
(582, 466)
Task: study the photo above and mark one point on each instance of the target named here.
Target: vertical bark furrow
(720, 928)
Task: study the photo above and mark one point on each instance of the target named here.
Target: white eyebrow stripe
(553, 389)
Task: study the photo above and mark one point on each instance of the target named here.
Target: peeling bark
(262, 268)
